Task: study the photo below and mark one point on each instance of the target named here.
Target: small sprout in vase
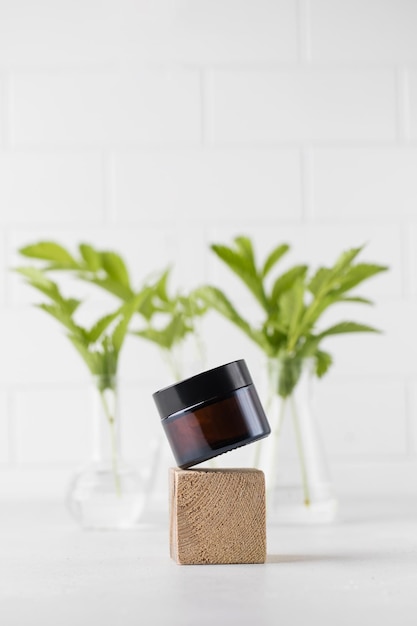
(290, 332)
(100, 344)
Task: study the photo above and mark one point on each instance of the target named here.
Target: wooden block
(217, 516)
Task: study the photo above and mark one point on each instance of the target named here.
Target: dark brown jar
(211, 413)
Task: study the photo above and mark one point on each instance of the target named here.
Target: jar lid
(209, 385)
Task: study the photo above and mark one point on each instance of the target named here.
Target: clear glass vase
(299, 488)
(107, 493)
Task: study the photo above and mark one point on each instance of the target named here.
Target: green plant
(98, 345)
(170, 319)
(292, 304)
(167, 318)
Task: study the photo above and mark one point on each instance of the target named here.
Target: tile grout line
(11, 427)
(406, 260)
(409, 425)
(107, 187)
(307, 184)
(304, 31)
(206, 94)
(6, 282)
(5, 127)
(403, 105)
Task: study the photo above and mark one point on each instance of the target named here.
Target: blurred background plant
(109, 493)
(292, 305)
(289, 333)
(168, 319)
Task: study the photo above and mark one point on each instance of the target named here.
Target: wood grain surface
(217, 516)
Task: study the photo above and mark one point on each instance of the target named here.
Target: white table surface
(362, 570)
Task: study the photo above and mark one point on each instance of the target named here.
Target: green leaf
(243, 267)
(345, 259)
(348, 327)
(60, 314)
(358, 299)
(155, 336)
(49, 251)
(357, 274)
(289, 375)
(161, 286)
(309, 347)
(320, 281)
(35, 275)
(108, 362)
(176, 329)
(91, 257)
(217, 300)
(286, 281)
(115, 267)
(126, 312)
(36, 278)
(148, 308)
(167, 337)
(291, 308)
(275, 338)
(90, 358)
(112, 286)
(245, 247)
(323, 362)
(327, 278)
(273, 258)
(100, 326)
(71, 305)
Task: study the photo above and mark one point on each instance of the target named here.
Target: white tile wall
(207, 185)
(4, 429)
(2, 109)
(95, 108)
(148, 31)
(412, 92)
(411, 248)
(50, 427)
(49, 187)
(4, 262)
(361, 424)
(366, 183)
(303, 105)
(157, 128)
(365, 31)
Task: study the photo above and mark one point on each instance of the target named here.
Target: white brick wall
(323, 105)
(159, 127)
(50, 187)
(94, 108)
(205, 185)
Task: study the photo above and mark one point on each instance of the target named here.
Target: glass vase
(107, 493)
(299, 488)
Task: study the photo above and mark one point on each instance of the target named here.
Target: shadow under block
(217, 516)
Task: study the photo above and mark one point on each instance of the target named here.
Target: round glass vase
(299, 488)
(107, 493)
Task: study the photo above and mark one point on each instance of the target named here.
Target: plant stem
(275, 440)
(173, 363)
(271, 393)
(113, 441)
(300, 453)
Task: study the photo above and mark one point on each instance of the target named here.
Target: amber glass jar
(211, 413)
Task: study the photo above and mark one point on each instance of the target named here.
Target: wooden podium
(217, 516)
